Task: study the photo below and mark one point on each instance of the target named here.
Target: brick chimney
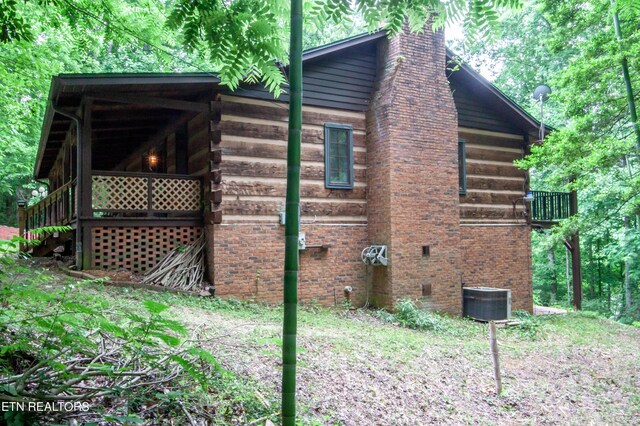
(412, 156)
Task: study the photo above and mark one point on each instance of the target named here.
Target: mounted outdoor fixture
(526, 199)
(375, 255)
(151, 161)
(541, 94)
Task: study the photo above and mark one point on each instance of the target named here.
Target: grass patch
(406, 314)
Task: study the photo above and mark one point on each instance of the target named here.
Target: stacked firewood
(182, 268)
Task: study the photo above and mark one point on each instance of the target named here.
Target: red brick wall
(379, 174)
(249, 262)
(499, 256)
(7, 232)
(413, 174)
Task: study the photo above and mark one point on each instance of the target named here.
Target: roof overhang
(68, 91)
(489, 92)
(338, 46)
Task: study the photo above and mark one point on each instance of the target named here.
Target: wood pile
(182, 268)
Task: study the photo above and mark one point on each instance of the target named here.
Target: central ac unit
(486, 303)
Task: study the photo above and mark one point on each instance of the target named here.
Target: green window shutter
(462, 166)
(338, 156)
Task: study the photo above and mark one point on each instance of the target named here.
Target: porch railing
(145, 194)
(550, 206)
(57, 208)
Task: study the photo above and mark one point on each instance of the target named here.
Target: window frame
(327, 176)
(462, 166)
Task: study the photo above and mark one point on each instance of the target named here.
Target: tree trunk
(576, 263)
(292, 225)
(627, 80)
(568, 274)
(609, 295)
(627, 272)
(592, 283)
(554, 276)
(599, 270)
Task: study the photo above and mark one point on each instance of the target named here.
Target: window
(462, 166)
(338, 156)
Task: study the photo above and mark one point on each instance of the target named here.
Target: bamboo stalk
(292, 226)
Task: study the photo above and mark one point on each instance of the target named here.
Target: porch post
(85, 210)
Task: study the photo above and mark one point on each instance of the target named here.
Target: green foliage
(243, 38)
(406, 314)
(58, 342)
(530, 326)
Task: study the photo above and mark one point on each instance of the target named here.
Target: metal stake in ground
(493, 340)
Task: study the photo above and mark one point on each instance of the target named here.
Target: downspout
(78, 121)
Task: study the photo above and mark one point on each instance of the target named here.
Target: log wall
(254, 163)
(493, 181)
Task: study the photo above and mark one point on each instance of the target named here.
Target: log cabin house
(397, 150)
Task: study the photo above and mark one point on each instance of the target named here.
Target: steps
(51, 242)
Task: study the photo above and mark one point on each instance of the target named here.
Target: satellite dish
(542, 92)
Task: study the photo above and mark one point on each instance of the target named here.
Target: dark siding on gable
(343, 80)
(474, 113)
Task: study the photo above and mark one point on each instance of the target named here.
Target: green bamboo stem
(292, 226)
(627, 79)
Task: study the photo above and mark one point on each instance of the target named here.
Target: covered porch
(128, 161)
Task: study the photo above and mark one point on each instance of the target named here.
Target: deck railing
(56, 209)
(119, 194)
(145, 194)
(550, 206)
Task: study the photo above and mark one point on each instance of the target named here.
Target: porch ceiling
(128, 110)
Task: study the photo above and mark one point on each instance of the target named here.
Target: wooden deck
(548, 208)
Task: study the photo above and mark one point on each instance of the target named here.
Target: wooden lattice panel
(137, 248)
(120, 193)
(176, 194)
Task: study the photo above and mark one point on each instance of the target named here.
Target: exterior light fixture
(151, 161)
(40, 192)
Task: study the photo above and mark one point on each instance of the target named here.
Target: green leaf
(167, 338)
(155, 307)
(124, 420)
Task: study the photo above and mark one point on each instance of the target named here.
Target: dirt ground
(358, 371)
(354, 369)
